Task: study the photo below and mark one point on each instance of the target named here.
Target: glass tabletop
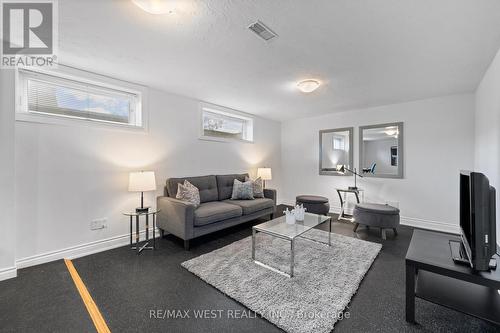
(134, 213)
(279, 227)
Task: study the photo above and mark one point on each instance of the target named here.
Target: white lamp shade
(142, 181)
(264, 173)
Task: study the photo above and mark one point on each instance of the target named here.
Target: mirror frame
(400, 173)
(351, 153)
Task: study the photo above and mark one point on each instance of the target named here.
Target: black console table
(432, 275)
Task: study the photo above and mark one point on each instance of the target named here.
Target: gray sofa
(217, 211)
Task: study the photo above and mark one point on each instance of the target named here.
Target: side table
(137, 216)
(343, 200)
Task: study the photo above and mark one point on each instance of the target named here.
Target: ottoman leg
(395, 231)
(382, 230)
(356, 225)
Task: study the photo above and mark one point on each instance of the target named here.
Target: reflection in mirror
(381, 150)
(335, 149)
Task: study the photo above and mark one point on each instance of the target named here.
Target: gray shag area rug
(325, 278)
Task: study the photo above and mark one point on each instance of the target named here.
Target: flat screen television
(477, 219)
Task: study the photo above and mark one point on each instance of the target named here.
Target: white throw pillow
(188, 192)
(258, 187)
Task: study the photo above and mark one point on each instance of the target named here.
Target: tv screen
(465, 212)
(477, 219)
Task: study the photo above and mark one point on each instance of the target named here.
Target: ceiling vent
(262, 31)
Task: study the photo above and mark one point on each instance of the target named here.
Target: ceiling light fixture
(308, 86)
(156, 7)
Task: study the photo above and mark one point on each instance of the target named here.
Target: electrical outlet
(98, 224)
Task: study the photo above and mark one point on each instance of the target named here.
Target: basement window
(44, 97)
(222, 124)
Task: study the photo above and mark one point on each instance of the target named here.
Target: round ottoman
(314, 204)
(376, 215)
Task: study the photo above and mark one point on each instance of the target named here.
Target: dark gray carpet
(126, 287)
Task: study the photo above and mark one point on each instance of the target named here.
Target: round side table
(137, 216)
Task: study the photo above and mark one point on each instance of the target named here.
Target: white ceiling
(366, 52)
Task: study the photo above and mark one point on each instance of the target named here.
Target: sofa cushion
(207, 185)
(215, 211)
(225, 184)
(252, 206)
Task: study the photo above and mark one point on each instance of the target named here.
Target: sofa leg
(162, 233)
(271, 216)
(186, 244)
(395, 231)
(356, 225)
(382, 230)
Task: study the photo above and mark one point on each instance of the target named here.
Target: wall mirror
(335, 150)
(381, 150)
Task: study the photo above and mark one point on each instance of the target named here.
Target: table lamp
(342, 169)
(264, 174)
(142, 181)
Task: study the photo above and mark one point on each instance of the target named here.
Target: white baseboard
(8, 273)
(405, 220)
(80, 250)
(430, 225)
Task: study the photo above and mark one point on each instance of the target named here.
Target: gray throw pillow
(258, 187)
(188, 192)
(242, 191)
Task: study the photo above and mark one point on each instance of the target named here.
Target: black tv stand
(432, 275)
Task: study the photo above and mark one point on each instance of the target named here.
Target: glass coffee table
(278, 228)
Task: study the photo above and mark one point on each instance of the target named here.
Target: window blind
(69, 98)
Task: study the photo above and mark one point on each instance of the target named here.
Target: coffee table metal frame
(261, 228)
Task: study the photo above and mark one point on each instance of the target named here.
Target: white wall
(487, 131)
(438, 142)
(70, 175)
(7, 172)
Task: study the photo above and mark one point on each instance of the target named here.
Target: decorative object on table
(335, 147)
(299, 212)
(376, 215)
(342, 169)
(310, 290)
(137, 215)
(258, 187)
(242, 190)
(264, 174)
(142, 181)
(314, 204)
(343, 201)
(289, 216)
(382, 145)
(188, 192)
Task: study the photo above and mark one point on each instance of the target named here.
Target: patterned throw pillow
(242, 191)
(258, 187)
(188, 192)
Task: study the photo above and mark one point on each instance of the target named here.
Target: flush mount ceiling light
(157, 7)
(308, 86)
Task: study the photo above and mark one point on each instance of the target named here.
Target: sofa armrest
(270, 194)
(176, 217)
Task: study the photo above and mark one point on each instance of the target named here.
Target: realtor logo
(29, 35)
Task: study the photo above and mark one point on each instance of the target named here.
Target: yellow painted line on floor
(92, 308)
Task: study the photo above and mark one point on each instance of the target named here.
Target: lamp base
(142, 209)
(353, 188)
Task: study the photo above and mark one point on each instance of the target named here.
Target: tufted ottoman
(314, 204)
(376, 215)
